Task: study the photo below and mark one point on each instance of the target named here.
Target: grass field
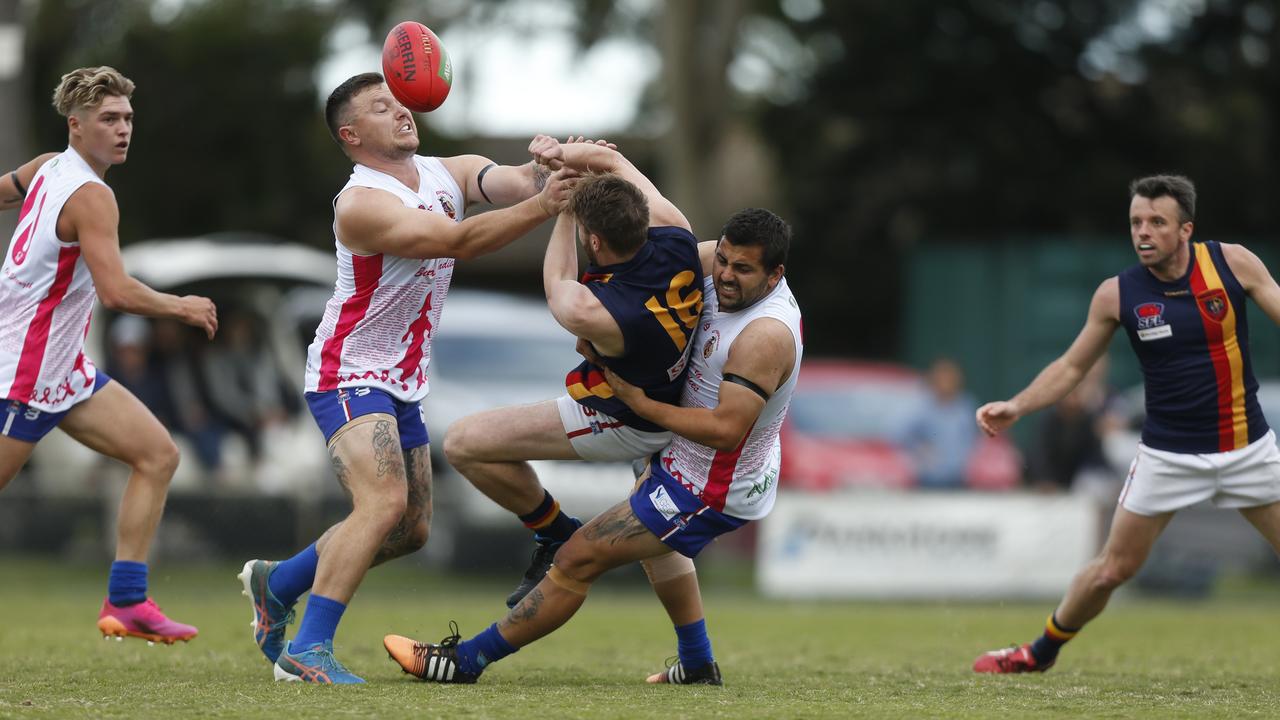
(780, 660)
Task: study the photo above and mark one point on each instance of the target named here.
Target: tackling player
(717, 473)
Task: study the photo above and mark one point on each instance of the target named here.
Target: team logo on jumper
(710, 346)
(446, 204)
(1151, 325)
(1213, 304)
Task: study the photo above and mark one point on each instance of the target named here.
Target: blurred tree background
(873, 126)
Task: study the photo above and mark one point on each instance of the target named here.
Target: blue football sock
(294, 576)
(482, 650)
(693, 645)
(319, 623)
(127, 583)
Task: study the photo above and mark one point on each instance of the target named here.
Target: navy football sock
(549, 521)
(1045, 648)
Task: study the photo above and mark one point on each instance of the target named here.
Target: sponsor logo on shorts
(663, 503)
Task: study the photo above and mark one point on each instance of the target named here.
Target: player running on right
(1183, 308)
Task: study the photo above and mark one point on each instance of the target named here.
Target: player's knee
(1116, 571)
(576, 561)
(386, 506)
(160, 461)
(456, 441)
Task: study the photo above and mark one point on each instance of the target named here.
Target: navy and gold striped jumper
(1191, 337)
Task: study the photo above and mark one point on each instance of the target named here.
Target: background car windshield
(509, 358)
(872, 412)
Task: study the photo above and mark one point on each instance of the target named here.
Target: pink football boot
(143, 620)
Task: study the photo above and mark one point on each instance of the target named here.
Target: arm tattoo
(540, 175)
(386, 449)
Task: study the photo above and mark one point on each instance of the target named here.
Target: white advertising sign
(915, 545)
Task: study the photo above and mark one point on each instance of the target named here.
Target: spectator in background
(131, 361)
(241, 366)
(1068, 451)
(940, 435)
(176, 367)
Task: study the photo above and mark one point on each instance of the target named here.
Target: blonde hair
(85, 88)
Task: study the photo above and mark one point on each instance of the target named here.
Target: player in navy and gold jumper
(1183, 308)
(636, 308)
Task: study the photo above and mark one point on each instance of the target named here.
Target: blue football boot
(314, 665)
(270, 616)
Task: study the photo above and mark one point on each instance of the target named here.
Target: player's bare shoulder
(363, 212)
(1248, 268)
(91, 210)
(1105, 305)
(766, 344)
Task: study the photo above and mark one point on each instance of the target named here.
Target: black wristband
(18, 184)
(739, 380)
(480, 181)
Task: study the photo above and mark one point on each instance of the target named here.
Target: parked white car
(491, 349)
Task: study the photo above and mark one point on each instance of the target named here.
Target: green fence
(1004, 310)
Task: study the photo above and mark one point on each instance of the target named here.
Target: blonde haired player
(65, 253)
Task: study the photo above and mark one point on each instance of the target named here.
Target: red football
(416, 66)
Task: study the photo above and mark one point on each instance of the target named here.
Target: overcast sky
(510, 82)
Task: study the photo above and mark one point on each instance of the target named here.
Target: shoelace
(454, 638)
(288, 619)
(329, 662)
(426, 650)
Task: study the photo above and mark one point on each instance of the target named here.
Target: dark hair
(335, 108)
(760, 228)
(1177, 187)
(613, 209)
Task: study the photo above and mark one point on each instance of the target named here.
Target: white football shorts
(1160, 481)
(601, 438)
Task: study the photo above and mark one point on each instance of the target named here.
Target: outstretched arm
(764, 354)
(375, 221)
(484, 181)
(1062, 375)
(15, 185)
(1254, 278)
(573, 305)
(593, 157)
(92, 218)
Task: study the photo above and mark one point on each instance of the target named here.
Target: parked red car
(843, 424)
